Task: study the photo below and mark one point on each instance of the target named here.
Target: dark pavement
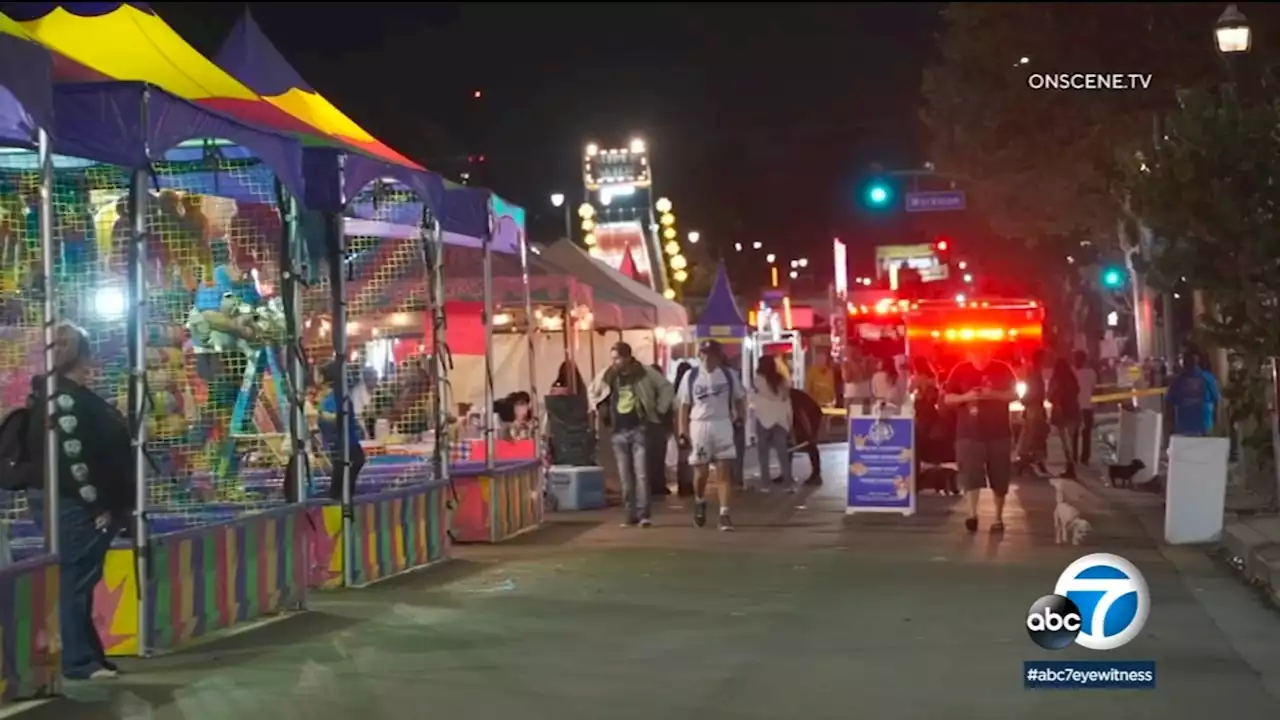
(802, 613)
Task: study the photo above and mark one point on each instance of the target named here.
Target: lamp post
(1231, 34)
(558, 201)
(1233, 38)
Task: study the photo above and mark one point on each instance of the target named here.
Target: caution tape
(1110, 397)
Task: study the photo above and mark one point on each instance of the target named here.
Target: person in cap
(712, 403)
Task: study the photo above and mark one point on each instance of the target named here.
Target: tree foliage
(1210, 191)
(1038, 162)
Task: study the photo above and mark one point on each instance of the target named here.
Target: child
(330, 376)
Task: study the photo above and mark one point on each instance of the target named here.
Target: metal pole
(291, 274)
(51, 453)
(337, 248)
(531, 327)
(490, 446)
(568, 223)
(137, 324)
(439, 360)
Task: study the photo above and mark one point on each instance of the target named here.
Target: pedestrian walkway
(802, 613)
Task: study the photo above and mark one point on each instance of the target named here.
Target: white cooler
(576, 488)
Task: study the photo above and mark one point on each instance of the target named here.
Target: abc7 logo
(1117, 602)
(1053, 622)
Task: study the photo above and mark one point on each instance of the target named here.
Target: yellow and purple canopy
(26, 90)
(128, 42)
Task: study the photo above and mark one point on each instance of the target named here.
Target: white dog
(1068, 524)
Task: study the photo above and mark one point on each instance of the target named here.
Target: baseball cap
(710, 347)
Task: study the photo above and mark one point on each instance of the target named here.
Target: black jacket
(95, 460)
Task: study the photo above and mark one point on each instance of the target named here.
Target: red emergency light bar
(977, 334)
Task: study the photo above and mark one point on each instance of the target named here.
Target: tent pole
(137, 321)
(50, 323)
(530, 327)
(336, 245)
(490, 445)
(434, 247)
(591, 347)
(292, 294)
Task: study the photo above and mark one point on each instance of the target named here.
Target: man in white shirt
(712, 402)
(1087, 379)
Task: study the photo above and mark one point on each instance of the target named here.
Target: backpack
(20, 466)
(692, 378)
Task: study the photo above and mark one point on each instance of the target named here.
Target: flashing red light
(481, 158)
(942, 245)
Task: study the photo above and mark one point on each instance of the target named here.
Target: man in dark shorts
(980, 390)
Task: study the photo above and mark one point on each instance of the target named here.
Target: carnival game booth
(212, 204)
(28, 587)
(379, 226)
(145, 217)
(500, 492)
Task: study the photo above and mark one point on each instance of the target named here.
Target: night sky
(760, 116)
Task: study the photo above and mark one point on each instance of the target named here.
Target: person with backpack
(95, 486)
(712, 405)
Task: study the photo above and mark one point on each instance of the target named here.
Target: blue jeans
(82, 554)
(769, 440)
(628, 446)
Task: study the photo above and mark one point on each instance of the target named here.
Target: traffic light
(878, 195)
(1112, 278)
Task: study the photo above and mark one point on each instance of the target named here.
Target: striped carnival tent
(128, 42)
(721, 319)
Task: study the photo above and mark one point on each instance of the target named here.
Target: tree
(1210, 191)
(1038, 161)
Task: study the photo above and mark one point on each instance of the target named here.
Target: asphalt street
(802, 613)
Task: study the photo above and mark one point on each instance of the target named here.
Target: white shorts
(710, 441)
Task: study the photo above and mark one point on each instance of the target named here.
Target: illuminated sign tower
(621, 216)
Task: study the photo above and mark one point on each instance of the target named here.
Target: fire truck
(940, 330)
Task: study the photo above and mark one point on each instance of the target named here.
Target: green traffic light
(878, 195)
(1112, 278)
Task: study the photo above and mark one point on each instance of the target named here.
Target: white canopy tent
(644, 308)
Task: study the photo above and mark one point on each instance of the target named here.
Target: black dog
(942, 480)
(1121, 476)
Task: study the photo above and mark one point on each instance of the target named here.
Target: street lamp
(804, 262)
(757, 245)
(694, 237)
(1231, 33)
(737, 247)
(558, 201)
(794, 274)
(770, 258)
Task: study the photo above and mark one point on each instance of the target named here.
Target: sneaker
(700, 513)
(726, 525)
(791, 489)
(628, 524)
(646, 523)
